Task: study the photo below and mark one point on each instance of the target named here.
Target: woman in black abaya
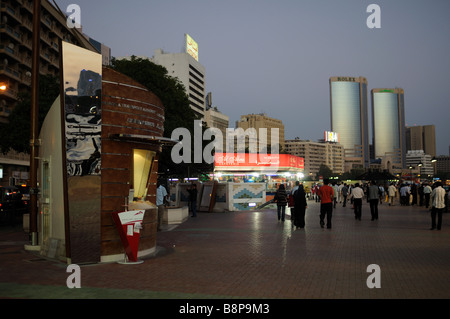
(300, 206)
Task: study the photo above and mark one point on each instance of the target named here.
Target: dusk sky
(276, 57)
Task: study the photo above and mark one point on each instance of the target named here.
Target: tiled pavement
(252, 255)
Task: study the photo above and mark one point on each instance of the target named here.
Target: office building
(421, 137)
(262, 121)
(420, 161)
(317, 153)
(16, 30)
(388, 124)
(215, 119)
(349, 118)
(190, 72)
(443, 164)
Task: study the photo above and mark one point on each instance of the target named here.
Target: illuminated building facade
(388, 123)
(349, 118)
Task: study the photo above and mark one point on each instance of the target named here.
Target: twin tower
(350, 119)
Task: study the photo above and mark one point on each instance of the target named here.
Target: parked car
(12, 206)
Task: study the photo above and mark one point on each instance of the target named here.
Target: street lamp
(434, 160)
(420, 170)
(3, 86)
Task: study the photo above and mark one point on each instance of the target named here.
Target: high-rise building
(388, 124)
(349, 118)
(262, 121)
(190, 72)
(316, 154)
(422, 137)
(16, 34)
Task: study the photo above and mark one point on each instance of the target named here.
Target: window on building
(142, 164)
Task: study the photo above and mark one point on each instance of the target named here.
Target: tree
(178, 112)
(324, 171)
(16, 133)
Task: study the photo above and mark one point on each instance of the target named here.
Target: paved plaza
(253, 255)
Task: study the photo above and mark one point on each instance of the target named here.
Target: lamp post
(420, 170)
(433, 163)
(410, 172)
(34, 131)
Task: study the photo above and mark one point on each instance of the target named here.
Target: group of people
(328, 196)
(434, 195)
(298, 204)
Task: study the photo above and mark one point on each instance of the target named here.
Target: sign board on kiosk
(129, 224)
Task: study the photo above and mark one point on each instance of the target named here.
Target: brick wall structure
(128, 108)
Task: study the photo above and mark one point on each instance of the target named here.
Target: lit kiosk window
(142, 164)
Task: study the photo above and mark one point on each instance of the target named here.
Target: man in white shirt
(392, 191)
(404, 195)
(427, 193)
(437, 206)
(340, 187)
(357, 195)
(336, 193)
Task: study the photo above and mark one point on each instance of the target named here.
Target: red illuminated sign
(258, 162)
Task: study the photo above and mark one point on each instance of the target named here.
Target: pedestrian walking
(291, 202)
(193, 199)
(427, 193)
(161, 198)
(336, 192)
(421, 196)
(414, 194)
(300, 206)
(326, 194)
(316, 191)
(307, 191)
(381, 187)
(404, 195)
(374, 197)
(392, 192)
(344, 192)
(357, 195)
(281, 200)
(339, 193)
(438, 205)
